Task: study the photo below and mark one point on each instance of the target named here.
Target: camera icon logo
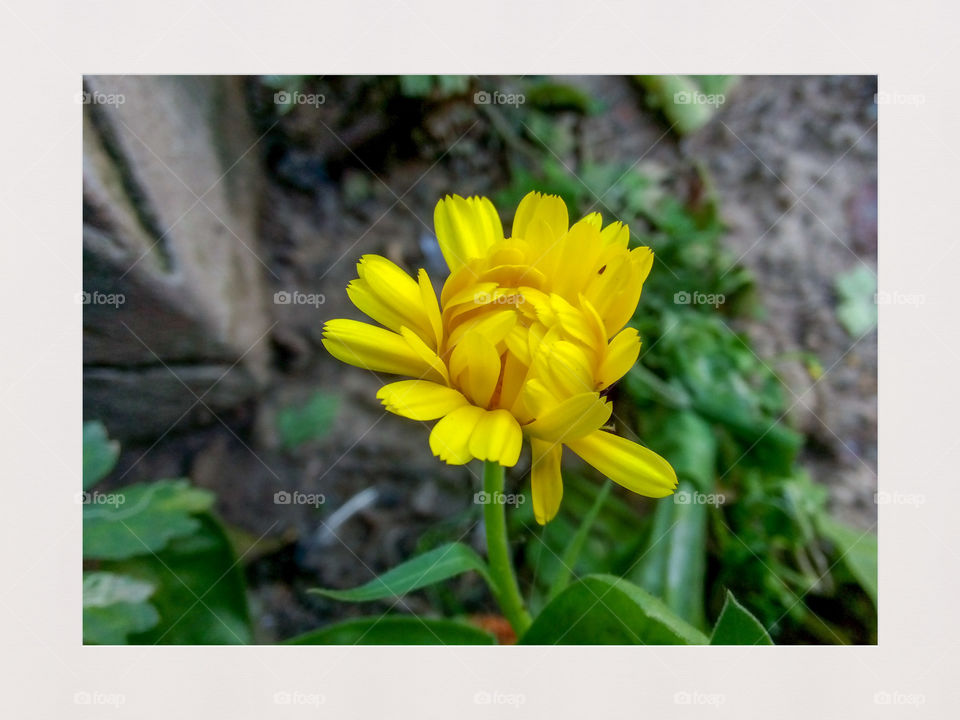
(682, 297)
(282, 497)
(481, 97)
(684, 97)
(282, 98)
(282, 297)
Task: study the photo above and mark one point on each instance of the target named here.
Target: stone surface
(172, 271)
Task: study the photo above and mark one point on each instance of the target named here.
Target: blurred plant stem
(506, 589)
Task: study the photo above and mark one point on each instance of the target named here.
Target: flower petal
(546, 483)
(622, 353)
(375, 349)
(450, 438)
(627, 463)
(475, 368)
(497, 437)
(387, 294)
(466, 228)
(549, 208)
(573, 418)
(420, 399)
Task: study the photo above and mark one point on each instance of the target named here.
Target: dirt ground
(794, 163)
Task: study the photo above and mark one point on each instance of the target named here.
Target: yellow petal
(376, 349)
(475, 368)
(573, 418)
(546, 483)
(429, 299)
(450, 437)
(497, 438)
(427, 356)
(420, 399)
(548, 208)
(391, 297)
(627, 463)
(622, 353)
(466, 228)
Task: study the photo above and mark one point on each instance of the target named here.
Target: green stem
(506, 589)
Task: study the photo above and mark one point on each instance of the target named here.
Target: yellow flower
(528, 333)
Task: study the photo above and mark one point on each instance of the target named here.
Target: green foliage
(434, 86)
(165, 570)
(607, 610)
(141, 518)
(300, 425)
(114, 607)
(736, 626)
(857, 307)
(99, 453)
(396, 630)
(704, 399)
(429, 568)
(201, 592)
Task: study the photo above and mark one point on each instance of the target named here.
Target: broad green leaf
(857, 550)
(114, 607)
(106, 588)
(396, 630)
(99, 453)
(140, 519)
(736, 626)
(201, 592)
(430, 568)
(298, 425)
(607, 610)
(114, 624)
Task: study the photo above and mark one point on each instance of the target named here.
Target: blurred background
(230, 464)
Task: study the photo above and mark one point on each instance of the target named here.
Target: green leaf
(857, 309)
(201, 592)
(607, 610)
(114, 607)
(430, 568)
(736, 626)
(396, 630)
(673, 563)
(114, 624)
(99, 453)
(857, 550)
(140, 519)
(299, 425)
